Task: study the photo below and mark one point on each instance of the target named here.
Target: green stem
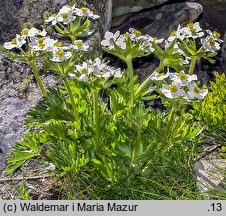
(192, 65)
(177, 127)
(70, 93)
(144, 84)
(37, 76)
(131, 81)
(169, 125)
(96, 118)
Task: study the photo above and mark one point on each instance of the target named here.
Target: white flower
(42, 43)
(16, 42)
(182, 78)
(33, 32)
(60, 55)
(176, 47)
(210, 44)
(84, 71)
(135, 34)
(102, 70)
(105, 73)
(215, 35)
(79, 45)
(137, 37)
(159, 76)
(117, 73)
(193, 30)
(196, 92)
(172, 91)
(121, 42)
(85, 12)
(154, 39)
(65, 15)
(110, 39)
(179, 34)
(52, 19)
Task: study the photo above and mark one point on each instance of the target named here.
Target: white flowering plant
(96, 122)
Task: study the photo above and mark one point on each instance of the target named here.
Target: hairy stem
(131, 81)
(192, 65)
(37, 76)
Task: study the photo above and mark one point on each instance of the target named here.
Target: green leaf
(53, 107)
(24, 150)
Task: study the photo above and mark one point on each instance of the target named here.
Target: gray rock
(12, 113)
(214, 14)
(210, 174)
(160, 22)
(18, 94)
(122, 7)
(14, 13)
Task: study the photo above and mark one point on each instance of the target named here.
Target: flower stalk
(131, 81)
(72, 99)
(192, 66)
(37, 76)
(96, 118)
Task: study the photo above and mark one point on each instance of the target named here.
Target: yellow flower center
(196, 90)
(182, 76)
(101, 73)
(173, 33)
(191, 26)
(58, 44)
(211, 41)
(40, 40)
(155, 38)
(173, 88)
(216, 34)
(160, 74)
(14, 41)
(84, 9)
(53, 15)
(78, 43)
(137, 33)
(24, 32)
(126, 35)
(64, 15)
(42, 46)
(83, 71)
(60, 53)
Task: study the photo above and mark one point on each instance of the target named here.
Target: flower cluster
(68, 14)
(144, 42)
(20, 40)
(38, 41)
(181, 85)
(96, 68)
(210, 41)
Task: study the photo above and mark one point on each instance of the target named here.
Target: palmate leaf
(53, 107)
(28, 148)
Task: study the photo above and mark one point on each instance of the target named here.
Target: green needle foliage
(213, 110)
